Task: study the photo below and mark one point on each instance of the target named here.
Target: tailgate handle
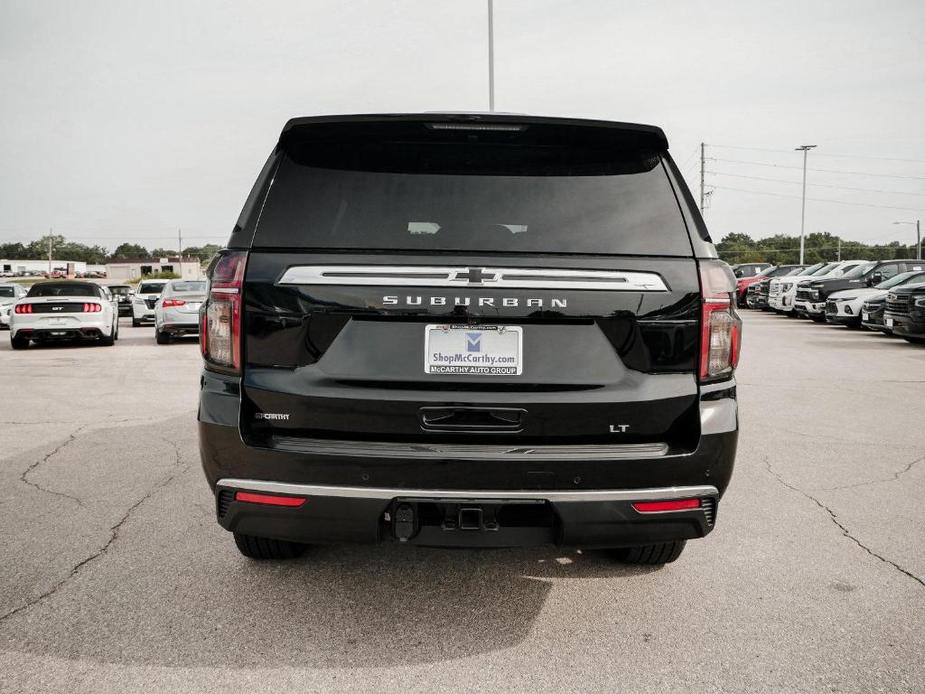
(471, 418)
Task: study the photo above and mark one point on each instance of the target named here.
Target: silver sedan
(176, 312)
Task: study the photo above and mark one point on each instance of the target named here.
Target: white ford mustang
(64, 310)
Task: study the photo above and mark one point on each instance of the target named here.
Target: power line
(827, 154)
(835, 171)
(837, 202)
(822, 185)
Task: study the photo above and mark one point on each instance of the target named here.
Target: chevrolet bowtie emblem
(474, 275)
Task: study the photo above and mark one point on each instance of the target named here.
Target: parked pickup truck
(905, 312)
(811, 298)
(469, 330)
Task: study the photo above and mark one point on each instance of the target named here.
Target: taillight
(720, 328)
(220, 328)
(92, 308)
(23, 308)
(167, 303)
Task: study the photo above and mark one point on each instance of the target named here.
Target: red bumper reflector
(269, 500)
(674, 505)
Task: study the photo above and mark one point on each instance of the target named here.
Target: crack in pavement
(895, 476)
(114, 530)
(834, 518)
(24, 477)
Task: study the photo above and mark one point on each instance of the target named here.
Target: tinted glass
(64, 290)
(7, 291)
(150, 288)
(901, 279)
(859, 271)
(120, 291)
(188, 287)
(623, 205)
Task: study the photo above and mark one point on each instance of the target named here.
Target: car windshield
(150, 288)
(74, 289)
(7, 291)
(902, 279)
(813, 269)
(121, 291)
(859, 271)
(824, 270)
(794, 271)
(188, 287)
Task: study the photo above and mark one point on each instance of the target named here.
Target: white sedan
(176, 312)
(64, 310)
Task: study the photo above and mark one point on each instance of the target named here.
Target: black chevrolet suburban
(473, 331)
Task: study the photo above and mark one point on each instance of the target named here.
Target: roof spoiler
(537, 129)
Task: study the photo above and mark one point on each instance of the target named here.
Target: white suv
(146, 296)
(807, 307)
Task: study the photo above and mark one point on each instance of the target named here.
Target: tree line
(62, 249)
(783, 250)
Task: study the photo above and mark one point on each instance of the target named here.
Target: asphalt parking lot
(116, 577)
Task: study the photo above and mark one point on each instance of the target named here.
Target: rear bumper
(579, 496)
(465, 518)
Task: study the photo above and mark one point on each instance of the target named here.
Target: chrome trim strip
(464, 277)
(463, 451)
(654, 494)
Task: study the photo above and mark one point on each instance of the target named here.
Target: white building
(132, 269)
(21, 266)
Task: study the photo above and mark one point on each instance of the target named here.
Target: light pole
(491, 56)
(804, 149)
(918, 237)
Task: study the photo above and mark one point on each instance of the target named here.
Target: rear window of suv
(150, 288)
(473, 196)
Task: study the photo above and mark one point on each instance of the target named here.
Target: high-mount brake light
(221, 315)
(721, 327)
(168, 303)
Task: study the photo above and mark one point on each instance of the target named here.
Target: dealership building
(20, 267)
(188, 268)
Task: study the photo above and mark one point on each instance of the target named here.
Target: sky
(129, 121)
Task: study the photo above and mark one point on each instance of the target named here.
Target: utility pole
(918, 237)
(703, 160)
(805, 149)
(491, 56)
(179, 243)
(839, 249)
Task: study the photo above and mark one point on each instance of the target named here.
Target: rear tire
(161, 337)
(18, 342)
(110, 340)
(651, 555)
(136, 323)
(914, 340)
(263, 548)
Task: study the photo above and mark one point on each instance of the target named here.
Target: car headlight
(786, 286)
(920, 302)
(846, 298)
(816, 294)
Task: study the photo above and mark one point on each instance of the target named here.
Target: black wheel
(264, 548)
(116, 334)
(660, 553)
(136, 323)
(109, 340)
(19, 342)
(161, 337)
(817, 317)
(914, 340)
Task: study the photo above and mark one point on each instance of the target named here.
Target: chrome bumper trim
(655, 494)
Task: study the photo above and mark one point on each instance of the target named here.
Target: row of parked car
(884, 295)
(68, 310)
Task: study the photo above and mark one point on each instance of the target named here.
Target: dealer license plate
(488, 350)
(889, 322)
(865, 316)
